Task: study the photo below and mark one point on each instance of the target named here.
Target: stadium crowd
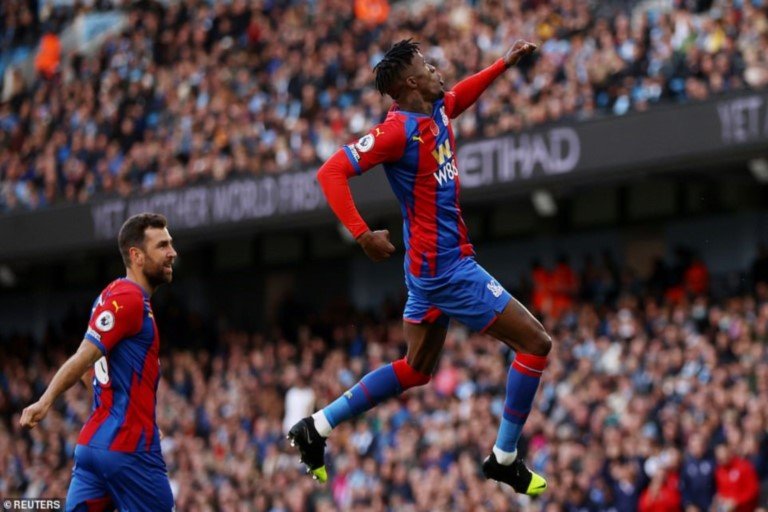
(24, 22)
(199, 91)
(652, 401)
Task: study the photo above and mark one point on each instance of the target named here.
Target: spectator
(736, 481)
(372, 12)
(565, 286)
(696, 277)
(48, 56)
(662, 494)
(627, 483)
(676, 288)
(299, 400)
(697, 482)
(660, 277)
(542, 296)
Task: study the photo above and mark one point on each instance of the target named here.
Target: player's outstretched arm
(518, 50)
(465, 93)
(65, 378)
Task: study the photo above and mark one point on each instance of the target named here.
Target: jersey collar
(137, 285)
(396, 108)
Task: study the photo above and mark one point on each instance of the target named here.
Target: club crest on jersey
(105, 321)
(365, 143)
(495, 288)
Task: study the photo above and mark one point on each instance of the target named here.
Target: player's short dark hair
(389, 69)
(132, 232)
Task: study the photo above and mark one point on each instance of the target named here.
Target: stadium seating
(196, 93)
(630, 389)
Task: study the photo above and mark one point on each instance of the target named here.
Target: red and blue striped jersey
(418, 153)
(126, 377)
(419, 157)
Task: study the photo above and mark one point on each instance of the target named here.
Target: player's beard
(156, 275)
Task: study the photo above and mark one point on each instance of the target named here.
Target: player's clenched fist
(376, 244)
(33, 414)
(519, 50)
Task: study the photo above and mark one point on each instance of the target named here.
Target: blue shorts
(105, 480)
(467, 293)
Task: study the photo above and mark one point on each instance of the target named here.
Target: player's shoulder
(395, 120)
(400, 124)
(385, 136)
(124, 289)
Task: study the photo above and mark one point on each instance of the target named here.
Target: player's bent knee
(543, 343)
(408, 376)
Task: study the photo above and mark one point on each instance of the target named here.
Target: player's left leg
(425, 342)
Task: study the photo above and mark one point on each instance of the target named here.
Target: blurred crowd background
(656, 391)
(194, 91)
(653, 400)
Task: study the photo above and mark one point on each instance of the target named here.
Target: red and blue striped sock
(375, 387)
(522, 382)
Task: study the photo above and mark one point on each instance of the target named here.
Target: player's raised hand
(519, 50)
(33, 414)
(376, 244)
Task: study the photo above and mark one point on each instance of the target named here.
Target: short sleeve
(384, 143)
(114, 318)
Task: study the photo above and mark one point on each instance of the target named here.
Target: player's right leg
(88, 491)
(425, 341)
(138, 481)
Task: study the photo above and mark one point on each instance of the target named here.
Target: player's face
(159, 256)
(428, 80)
